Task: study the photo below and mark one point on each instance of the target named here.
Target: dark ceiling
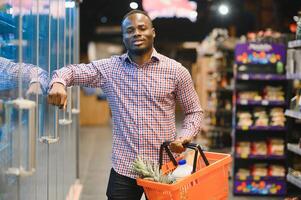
(246, 15)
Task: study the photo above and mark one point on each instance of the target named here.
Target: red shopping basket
(209, 180)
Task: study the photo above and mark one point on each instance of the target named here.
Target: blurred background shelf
(293, 114)
(294, 148)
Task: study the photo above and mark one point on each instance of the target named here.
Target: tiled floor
(95, 163)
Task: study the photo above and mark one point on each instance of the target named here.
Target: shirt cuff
(185, 134)
(41, 82)
(57, 80)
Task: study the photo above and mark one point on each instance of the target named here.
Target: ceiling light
(69, 4)
(223, 9)
(133, 5)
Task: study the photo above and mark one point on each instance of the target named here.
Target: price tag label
(265, 102)
(245, 76)
(256, 178)
(242, 178)
(243, 102)
(244, 155)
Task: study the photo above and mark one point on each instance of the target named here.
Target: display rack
(293, 68)
(259, 134)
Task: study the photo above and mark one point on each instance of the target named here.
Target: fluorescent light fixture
(69, 4)
(133, 5)
(223, 9)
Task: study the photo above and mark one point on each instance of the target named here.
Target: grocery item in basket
(151, 171)
(182, 170)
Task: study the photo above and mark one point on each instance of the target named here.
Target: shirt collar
(154, 57)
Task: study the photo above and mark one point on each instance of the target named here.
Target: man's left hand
(34, 88)
(177, 145)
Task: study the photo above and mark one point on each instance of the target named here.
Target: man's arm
(88, 75)
(29, 73)
(190, 104)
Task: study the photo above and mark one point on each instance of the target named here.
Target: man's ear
(154, 32)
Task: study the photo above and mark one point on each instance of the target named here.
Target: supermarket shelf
(294, 44)
(294, 148)
(293, 76)
(259, 178)
(267, 157)
(261, 128)
(261, 187)
(293, 114)
(294, 180)
(248, 76)
(220, 128)
(224, 90)
(260, 103)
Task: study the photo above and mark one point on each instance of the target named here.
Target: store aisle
(95, 163)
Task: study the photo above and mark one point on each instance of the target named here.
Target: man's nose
(137, 32)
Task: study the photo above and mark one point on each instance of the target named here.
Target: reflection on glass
(36, 78)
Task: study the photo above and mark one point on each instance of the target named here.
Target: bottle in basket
(182, 170)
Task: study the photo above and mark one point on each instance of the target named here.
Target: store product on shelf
(244, 119)
(298, 22)
(259, 148)
(276, 170)
(277, 117)
(243, 149)
(260, 170)
(271, 147)
(260, 179)
(275, 147)
(261, 117)
(271, 93)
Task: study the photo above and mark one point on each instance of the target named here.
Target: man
(142, 87)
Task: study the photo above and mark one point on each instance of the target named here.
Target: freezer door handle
(22, 105)
(66, 120)
(76, 104)
(51, 139)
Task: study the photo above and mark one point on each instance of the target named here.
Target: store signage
(171, 8)
(260, 53)
(31, 7)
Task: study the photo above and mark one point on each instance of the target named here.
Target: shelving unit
(259, 95)
(212, 78)
(293, 113)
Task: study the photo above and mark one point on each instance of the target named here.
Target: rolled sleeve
(87, 75)
(190, 104)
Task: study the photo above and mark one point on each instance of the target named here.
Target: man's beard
(139, 51)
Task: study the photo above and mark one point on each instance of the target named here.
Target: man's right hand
(57, 95)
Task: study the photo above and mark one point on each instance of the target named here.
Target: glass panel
(54, 62)
(61, 61)
(43, 117)
(29, 72)
(9, 73)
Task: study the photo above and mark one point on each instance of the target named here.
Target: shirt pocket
(161, 91)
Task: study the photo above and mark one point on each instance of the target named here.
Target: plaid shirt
(10, 72)
(142, 100)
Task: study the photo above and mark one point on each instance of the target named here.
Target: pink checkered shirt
(142, 100)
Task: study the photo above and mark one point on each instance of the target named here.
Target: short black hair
(135, 12)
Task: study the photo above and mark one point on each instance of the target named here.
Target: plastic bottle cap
(182, 162)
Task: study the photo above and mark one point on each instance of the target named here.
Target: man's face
(138, 34)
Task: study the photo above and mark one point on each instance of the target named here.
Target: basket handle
(196, 147)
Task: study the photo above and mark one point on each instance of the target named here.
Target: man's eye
(130, 30)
